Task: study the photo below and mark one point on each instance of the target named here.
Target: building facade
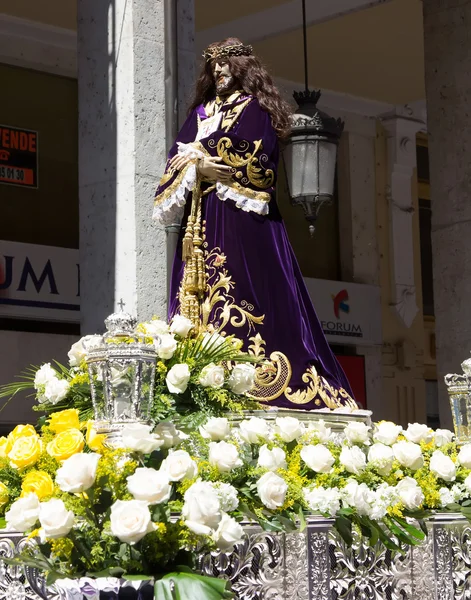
(92, 83)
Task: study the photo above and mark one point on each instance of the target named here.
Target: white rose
(272, 490)
(410, 493)
(467, 483)
(289, 428)
(130, 520)
(358, 496)
(78, 472)
(137, 437)
(242, 378)
(381, 457)
(179, 465)
(216, 428)
(44, 375)
(155, 328)
(23, 513)
(227, 495)
(387, 433)
(55, 519)
(56, 390)
(165, 345)
(149, 485)
(78, 351)
(212, 376)
(442, 466)
(464, 456)
(228, 533)
(254, 430)
(442, 437)
(318, 458)
(417, 432)
(319, 429)
(224, 456)
(271, 459)
(446, 497)
(202, 508)
(170, 435)
(357, 433)
(353, 459)
(323, 500)
(408, 454)
(212, 341)
(181, 326)
(177, 378)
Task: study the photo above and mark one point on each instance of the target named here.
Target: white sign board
(350, 313)
(39, 282)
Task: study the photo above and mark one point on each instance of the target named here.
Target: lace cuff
(170, 209)
(242, 201)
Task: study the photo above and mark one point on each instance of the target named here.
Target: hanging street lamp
(310, 155)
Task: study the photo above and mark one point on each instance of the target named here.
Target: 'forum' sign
(39, 282)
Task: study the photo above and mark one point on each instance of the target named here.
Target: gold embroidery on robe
(231, 116)
(319, 390)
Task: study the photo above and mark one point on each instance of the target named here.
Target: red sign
(354, 369)
(18, 156)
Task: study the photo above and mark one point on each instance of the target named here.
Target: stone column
(358, 235)
(121, 156)
(448, 86)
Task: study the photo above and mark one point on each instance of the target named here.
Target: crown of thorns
(218, 52)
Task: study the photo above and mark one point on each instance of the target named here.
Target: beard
(225, 84)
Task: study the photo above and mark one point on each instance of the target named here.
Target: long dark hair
(254, 79)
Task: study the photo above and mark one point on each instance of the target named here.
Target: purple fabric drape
(254, 251)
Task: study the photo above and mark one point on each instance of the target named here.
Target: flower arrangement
(207, 373)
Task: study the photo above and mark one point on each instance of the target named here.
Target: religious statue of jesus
(234, 270)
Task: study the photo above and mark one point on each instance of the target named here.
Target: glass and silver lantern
(310, 155)
(458, 387)
(122, 371)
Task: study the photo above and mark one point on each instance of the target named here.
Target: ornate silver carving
(255, 567)
(296, 580)
(13, 582)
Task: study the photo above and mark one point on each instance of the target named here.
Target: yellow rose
(65, 444)
(94, 440)
(65, 419)
(38, 482)
(19, 431)
(25, 451)
(3, 446)
(4, 494)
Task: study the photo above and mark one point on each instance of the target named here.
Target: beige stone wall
(403, 347)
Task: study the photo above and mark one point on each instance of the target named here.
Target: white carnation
(446, 497)
(55, 390)
(44, 375)
(227, 495)
(323, 500)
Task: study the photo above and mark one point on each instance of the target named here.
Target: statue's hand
(179, 161)
(210, 168)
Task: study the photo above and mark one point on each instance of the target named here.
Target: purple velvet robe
(247, 249)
